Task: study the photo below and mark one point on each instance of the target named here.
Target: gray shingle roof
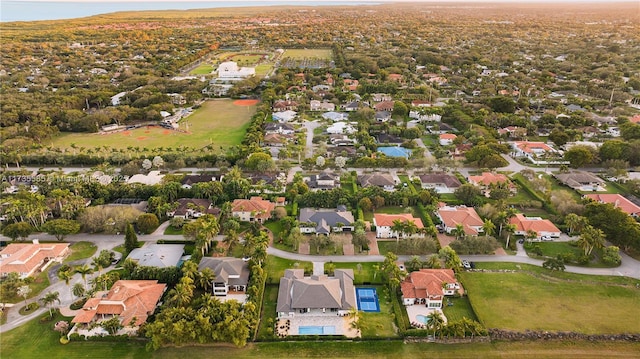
(298, 292)
(232, 271)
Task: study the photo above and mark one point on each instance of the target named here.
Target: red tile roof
(529, 147)
(128, 299)
(24, 258)
(618, 201)
(382, 219)
(524, 224)
(448, 136)
(260, 207)
(488, 178)
(427, 283)
(466, 216)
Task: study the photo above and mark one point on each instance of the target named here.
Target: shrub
(147, 223)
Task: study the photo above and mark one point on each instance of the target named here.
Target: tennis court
(367, 299)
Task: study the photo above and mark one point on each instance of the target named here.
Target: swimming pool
(422, 319)
(316, 330)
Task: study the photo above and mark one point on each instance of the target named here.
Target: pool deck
(341, 324)
(414, 310)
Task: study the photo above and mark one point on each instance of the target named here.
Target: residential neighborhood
(370, 180)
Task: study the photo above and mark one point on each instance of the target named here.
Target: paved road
(630, 267)
(310, 126)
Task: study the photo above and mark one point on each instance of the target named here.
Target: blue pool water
(395, 151)
(367, 299)
(317, 330)
(422, 319)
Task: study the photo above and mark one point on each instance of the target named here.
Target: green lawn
(522, 301)
(202, 69)
(461, 308)
(298, 54)
(40, 283)
(363, 275)
(385, 247)
(171, 230)
(263, 69)
(552, 249)
(81, 250)
(379, 325)
(36, 340)
(268, 315)
(275, 268)
(218, 123)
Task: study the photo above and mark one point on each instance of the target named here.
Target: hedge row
(534, 194)
(402, 319)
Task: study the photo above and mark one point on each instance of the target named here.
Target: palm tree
(433, 262)
(49, 299)
(488, 227)
(206, 278)
(435, 322)
(510, 229)
(576, 223)
(458, 232)
(83, 270)
(66, 277)
(398, 227)
(591, 238)
(78, 290)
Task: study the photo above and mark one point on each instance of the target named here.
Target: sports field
(535, 301)
(221, 123)
(202, 69)
(299, 54)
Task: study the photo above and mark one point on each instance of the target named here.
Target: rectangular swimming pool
(317, 330)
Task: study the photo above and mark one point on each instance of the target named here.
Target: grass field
(275, 267)
(365, 274)
(81, 250)
(461, 308)
(36, 340)
(298, 54)
(379, 325)
(202, 69)
(552, 249)
(220, 123)
(521, 301)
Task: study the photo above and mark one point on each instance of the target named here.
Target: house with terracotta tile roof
(27, 259)
(384, 106)
(618, 201)
(451, 217)
(253, 209)
(384, 222)
(536, 152)
(487, 179)
(132, 301)
(541, 227)
(447, 139)
(429, 287)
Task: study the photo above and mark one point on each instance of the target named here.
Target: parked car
(466, 264)
(546, 238)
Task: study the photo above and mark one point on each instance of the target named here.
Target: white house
(385, 222)
(342, 127)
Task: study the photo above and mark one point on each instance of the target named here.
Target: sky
(292, 1)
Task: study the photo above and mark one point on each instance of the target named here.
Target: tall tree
(49, 299)
(84, 270)
(61, 228)
(130, 238)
